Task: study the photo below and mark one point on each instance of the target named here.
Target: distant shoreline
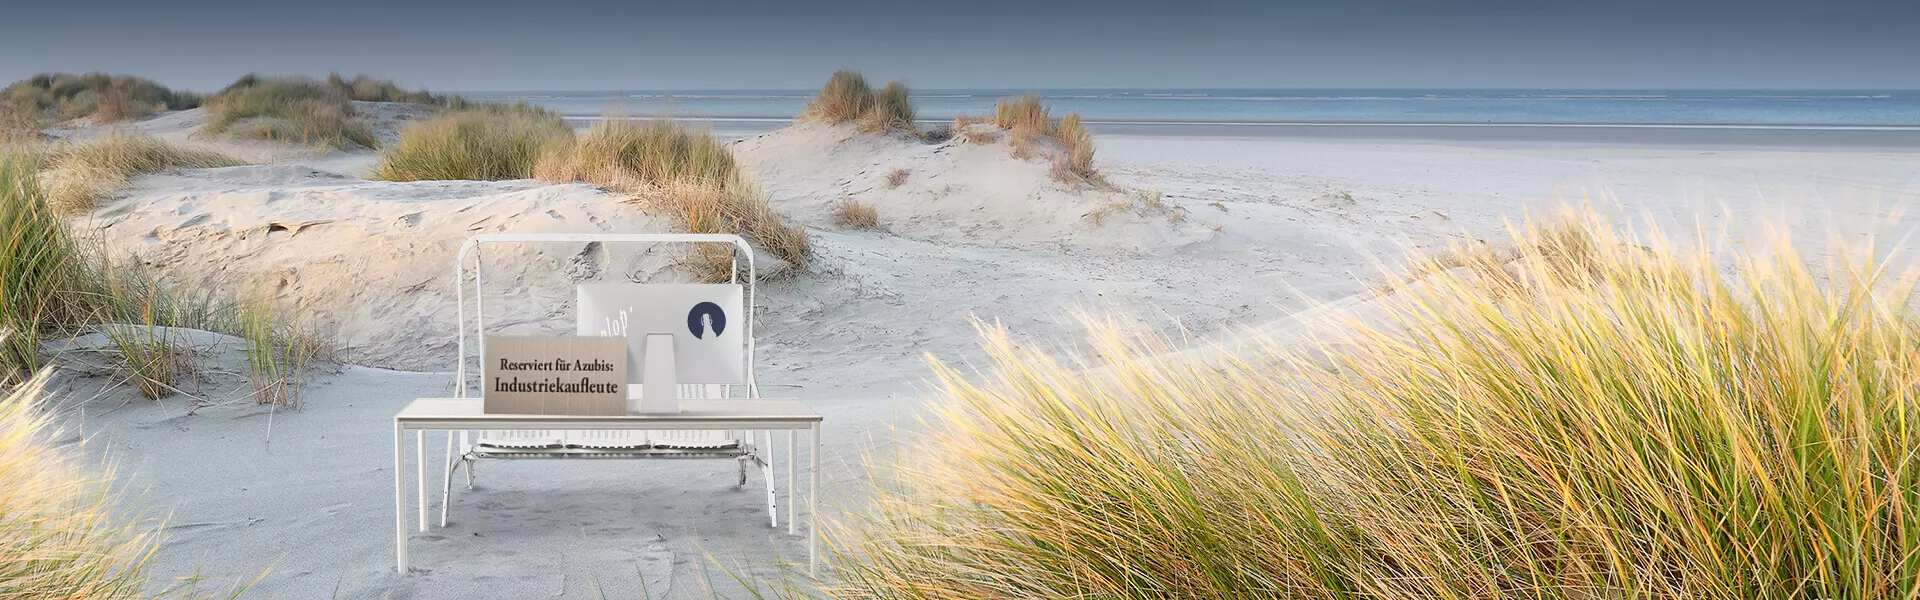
(1707, 135)
(1153, 121)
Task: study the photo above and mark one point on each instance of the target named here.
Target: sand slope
(954, 191)
(370, 261)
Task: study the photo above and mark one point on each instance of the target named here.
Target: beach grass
(1027, 121)
(62, 534)
(892, 110)
(1022, 111)
(50, 97)
(80, 174)
(279, 348)
(683, 172)
(854, 214)
(43, 272)
(488, 143)
(1632, 420)
(847, 97)
(1076, 164)
(295, 110)
(628, 152)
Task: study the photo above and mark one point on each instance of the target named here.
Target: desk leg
(420, 448)
(813, 508)
(792, 484)
(400, 497)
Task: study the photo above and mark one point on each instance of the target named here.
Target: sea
(1750, 108)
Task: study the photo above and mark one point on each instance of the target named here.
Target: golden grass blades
(60, 532)
(687, 174)
(81, 174)
(845, 97)
(1611, 418)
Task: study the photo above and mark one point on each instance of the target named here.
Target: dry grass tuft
(60, 532)
(485, 143)
(1640, 422)
(1022, 111)
(892, 110)
(81, 174)
(854, 214)
(689, 174)
(1023, 138)
(1077, 164)
(896, 177)
(848, 97)
(845, 97)
(1027, 121)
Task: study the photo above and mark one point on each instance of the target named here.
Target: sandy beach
(1268, 223)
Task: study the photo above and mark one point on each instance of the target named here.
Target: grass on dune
(52, 284)
(82, 173)
(1631, 421)
(43, 277)
(848, 98)
(687, 173)
(1027, 121)
(49, 97)
(854, 214)
(293, 110)
(60, 534)
(484, 143)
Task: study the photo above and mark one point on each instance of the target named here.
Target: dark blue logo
(703, 312)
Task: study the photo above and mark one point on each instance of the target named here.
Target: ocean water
(1853, 108)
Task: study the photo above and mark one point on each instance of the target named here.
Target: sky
(513, 45)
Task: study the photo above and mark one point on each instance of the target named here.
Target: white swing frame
(744, 447)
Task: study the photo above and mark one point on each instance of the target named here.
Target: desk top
(757, 410)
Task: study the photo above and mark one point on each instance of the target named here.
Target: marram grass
(60, 536)
(1609, 418)
(487, 143)
(688, 174)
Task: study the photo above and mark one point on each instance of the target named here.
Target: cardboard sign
(555, 375)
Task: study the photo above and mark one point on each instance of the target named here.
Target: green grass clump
(1634, 421)
(487, 143)
(294, 110)
(84, 172)
(688, 174)
(279, 349)
(847, 97)
(60, 534)
(63, 96)
(624, 153)
(44, 277)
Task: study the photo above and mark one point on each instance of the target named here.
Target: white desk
(761, 414)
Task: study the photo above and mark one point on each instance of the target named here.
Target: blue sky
(760, 44)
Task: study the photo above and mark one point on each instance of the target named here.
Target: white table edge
(791, 423)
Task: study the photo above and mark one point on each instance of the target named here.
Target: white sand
(972, 233)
